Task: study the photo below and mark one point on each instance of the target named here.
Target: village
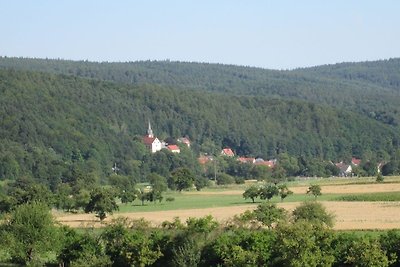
(153, 144)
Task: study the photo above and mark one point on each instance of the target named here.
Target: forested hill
(59, 118)
(368, 88)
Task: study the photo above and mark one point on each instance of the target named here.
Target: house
(184, 140)
(246, 160)
(151, 142)
(174, 148)
(344, 169)
(355, 161)
(269, 163)
(227, 152)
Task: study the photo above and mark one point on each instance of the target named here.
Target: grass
(386, 196)
(198, 201)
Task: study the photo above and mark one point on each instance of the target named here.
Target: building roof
(227, 152)
(355, 161)
(173, 148)
(268, 163)
(147, 140)
(246, 160)
(343, 167)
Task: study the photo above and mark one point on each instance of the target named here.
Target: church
(152, 143)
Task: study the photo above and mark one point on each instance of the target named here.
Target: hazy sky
(276, 34)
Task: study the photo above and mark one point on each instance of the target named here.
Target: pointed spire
(150, 131)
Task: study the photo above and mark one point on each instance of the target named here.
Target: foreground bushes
(30, 236)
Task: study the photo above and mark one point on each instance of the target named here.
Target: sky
(280, 34)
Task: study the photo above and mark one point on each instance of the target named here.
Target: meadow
(357, 203)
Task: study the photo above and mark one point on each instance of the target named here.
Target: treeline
(368, 88)
(267, 236)
(52, 124)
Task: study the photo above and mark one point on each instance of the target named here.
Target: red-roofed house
(269, 163)
(355, 161)
(174, 148)
(227, 152)
(246, 160)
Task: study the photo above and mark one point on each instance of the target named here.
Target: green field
(197, 201)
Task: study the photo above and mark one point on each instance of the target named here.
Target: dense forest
(368, 88)
(50, 120)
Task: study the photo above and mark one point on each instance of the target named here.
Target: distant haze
(269, 34)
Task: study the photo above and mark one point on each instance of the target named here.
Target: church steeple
(150, 131)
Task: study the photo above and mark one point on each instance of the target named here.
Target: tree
(102, 201)
(364, 252)
(29, 233)
(84, 249)
(284, 191)
(268, 192)
(252, 192)
(269, 214)
(315, 190)
(129, 247)
(181, 178)
(390, 242)
(302, 244)
(379, 178)
(157, 182)
(225, 179)
(200, 182)
(313, 212)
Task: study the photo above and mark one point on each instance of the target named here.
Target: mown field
(358, 204)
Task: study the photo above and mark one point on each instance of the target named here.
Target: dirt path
(349, 215)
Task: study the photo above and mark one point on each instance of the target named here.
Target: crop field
(356, 205)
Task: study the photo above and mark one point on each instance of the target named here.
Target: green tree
(102, 201)
(157, 182)
(84, 249)
(269, 214)
(180, 179)
(315, 190)
(302, 244)
(313, 212)
(29, 233)
(269, 191)
(284, 191)
(390, 243)
(252, 192)
(366, 252)
(225, 179)
(379, 178)
(129, 247)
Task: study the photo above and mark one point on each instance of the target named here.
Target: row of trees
(88, 196)
(267, 236)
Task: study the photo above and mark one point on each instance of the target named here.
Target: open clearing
(349, 215)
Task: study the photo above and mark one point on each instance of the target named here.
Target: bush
(224, 179)
(239, 180)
